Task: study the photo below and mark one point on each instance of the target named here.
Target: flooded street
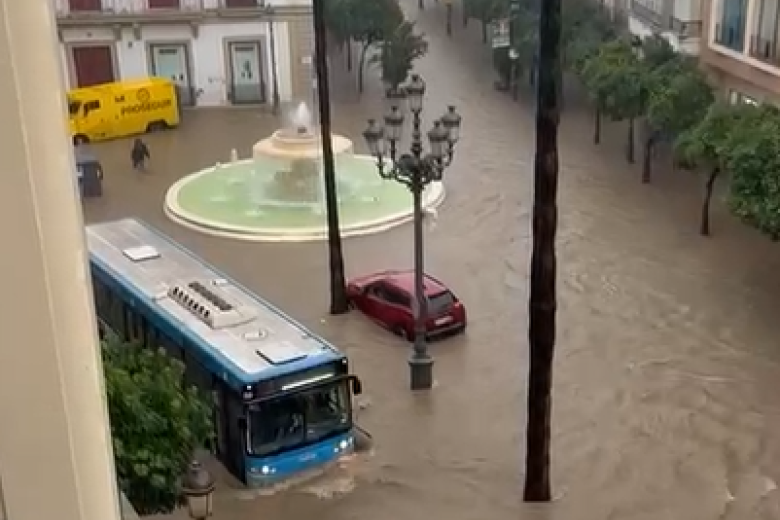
(666, 402)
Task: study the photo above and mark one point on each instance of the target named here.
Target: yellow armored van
(121, 109)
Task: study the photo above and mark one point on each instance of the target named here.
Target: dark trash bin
(89, 173)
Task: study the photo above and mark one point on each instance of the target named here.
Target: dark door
(93, 65)
(163, 4)
(85, 5)
(241, 3)
(248, 84)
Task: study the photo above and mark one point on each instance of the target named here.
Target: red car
(387, 298)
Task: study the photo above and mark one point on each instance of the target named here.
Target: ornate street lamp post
(198, 488)
(415, 170)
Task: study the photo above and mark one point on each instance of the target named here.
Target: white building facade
(219, 52)
(678, 21)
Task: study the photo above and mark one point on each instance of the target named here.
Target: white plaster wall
(207, 60)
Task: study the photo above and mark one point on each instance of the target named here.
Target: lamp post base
(421, 372)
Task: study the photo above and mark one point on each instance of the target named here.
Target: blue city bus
(282, 396)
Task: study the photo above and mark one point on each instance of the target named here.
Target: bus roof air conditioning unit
(209, 305)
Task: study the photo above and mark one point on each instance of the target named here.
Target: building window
(730, 31)
(765, 42)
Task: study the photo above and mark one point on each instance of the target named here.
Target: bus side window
(195, 374)
(136, 325)
(102, 298)
(171, 348)
(116, 314)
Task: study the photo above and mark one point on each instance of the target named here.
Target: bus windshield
(302, 418)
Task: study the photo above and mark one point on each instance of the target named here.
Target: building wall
(735, 70)
(209, 68)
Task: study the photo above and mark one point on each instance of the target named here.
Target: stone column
(56, 460)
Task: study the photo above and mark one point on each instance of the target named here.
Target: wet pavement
(666, 401)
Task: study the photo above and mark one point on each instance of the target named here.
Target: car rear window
(441, 302)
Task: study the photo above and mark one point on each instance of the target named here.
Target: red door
(163, 4)
(93, 65)
(241, 3)
(85, 5)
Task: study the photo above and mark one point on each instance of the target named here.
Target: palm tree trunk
(449, 19)
(465, 10)
(704, 229)
(542, 303)
(597, 127)
(484, 31)
(630, 150)
(338, 285)
(349, 54)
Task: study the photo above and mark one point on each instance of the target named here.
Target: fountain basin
(238, 201)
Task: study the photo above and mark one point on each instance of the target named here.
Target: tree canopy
(753, 159)
(157, 423)
(398, 53)
(614, 76)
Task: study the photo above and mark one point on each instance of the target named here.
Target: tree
(615, 79)
(486, 11)
(371, 24)
(657, 51)
(338, 18)
(753, 159)
(542, 300)
(339, 302)
(398, 53)
(157, 423)
(678, 99)
(706, 147)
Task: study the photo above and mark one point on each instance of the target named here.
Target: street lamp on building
(198, 488)
(415, 170)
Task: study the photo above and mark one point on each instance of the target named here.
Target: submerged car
(388, 299)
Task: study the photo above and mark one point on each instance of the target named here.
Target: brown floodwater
(666, 402)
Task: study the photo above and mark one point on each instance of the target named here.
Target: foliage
(338, 20)
(678, 97)
(707, 144)
(399, 52)
(615, 79)
(657, 51)
(486, 10)
(753, 159)
(156, 423)
(585, 27)
(372, 22)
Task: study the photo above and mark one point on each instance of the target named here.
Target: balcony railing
(686, 29)
(765, 50)
(108, 8)
(730, 36)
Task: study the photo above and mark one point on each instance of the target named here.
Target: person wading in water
(139, 155)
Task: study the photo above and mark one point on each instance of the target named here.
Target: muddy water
(666, 387)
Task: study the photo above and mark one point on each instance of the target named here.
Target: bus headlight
(265, 470)
(343, 444)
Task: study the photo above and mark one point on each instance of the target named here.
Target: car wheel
(400, 331)
(156, 126)
(80, 139)
(351, 305)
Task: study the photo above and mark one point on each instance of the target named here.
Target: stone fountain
(278, 194)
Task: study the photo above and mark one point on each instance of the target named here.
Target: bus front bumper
(263, 472)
